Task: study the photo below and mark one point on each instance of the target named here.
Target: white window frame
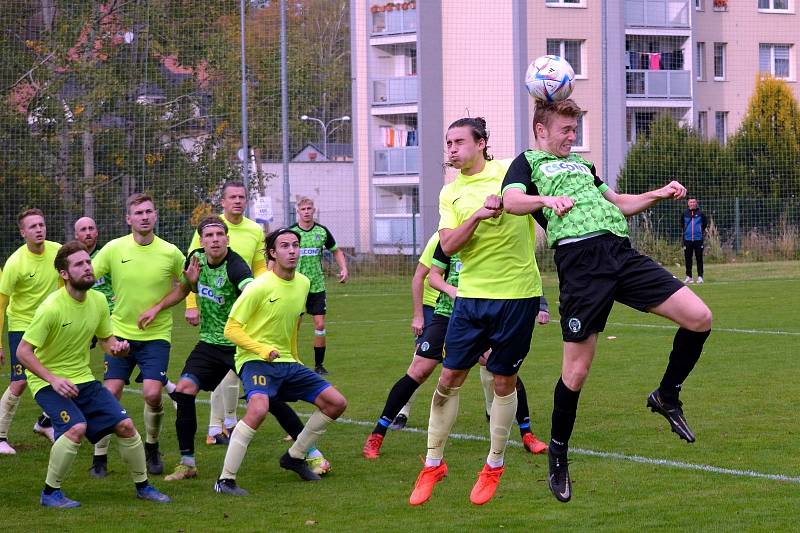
(700, 61)
(723, 47)
(561, 43)
(702, 124)
(772, 9)
(791, 76)
(699, 5)
(565, 3)
(584, 146)
(724, 116)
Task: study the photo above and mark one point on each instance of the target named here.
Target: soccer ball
(550, 78)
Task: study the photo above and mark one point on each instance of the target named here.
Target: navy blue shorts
(287, 382)
(427, 316)
(94, 406)
(17, 370)
(477, 324)
(152, 358)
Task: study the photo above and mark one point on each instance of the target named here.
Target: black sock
(48, 489)
(141, 484)
(150, 447)
(686, 349)
(185, 422)
(45, 421)
(565, 408)
(286, 417)
(398, 397)
(99, 459)
(319, 355)
(523, 415)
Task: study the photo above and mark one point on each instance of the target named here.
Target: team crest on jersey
(208, 293)
(99, 281)
(574, 325)
(457, 267)
(557, 167)
(219, 282)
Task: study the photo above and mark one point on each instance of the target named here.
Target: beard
(82, 284)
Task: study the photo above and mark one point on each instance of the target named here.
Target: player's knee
(504, 385)
(703, 319)
(76, 432)
(420, 370)
(186, 386)
(335, 403)
(257, 408)
(153, 399)
(125, 429)
(575, 377)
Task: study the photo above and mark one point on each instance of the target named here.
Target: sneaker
(319, 465)
(155, 465)
(220, 439)
(372, 448)
(426, 480)
(299, 466)
(699, 280)
(229, 487)
(57, 499)
(532, 444)
(321, 370)
(687, 280)
(488, 480)
(6, 449)
(673, 413)
(99, 469)
(182, 471)
(46, 432)
(558, 478)
(399, 422)
(151, 494)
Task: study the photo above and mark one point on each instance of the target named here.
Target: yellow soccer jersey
(61, 332)
(268, 310)
(429, 294)
(498, 262)
(140, 277)
(27, 280)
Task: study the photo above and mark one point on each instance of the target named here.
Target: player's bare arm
(632, 204)
(516, 202)
(436, 280)
(453, 240)
(28, 358)
(338, 256)
(178, 294)
(417, 289)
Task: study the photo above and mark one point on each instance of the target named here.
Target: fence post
(414, 234)
(736, 222)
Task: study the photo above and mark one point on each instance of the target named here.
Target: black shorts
(595, 272)
(431, 341)
(315, 303)
(208, 364)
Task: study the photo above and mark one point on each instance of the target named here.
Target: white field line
(614, 456)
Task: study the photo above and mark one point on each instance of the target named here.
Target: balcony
(657, 13)
(396, 161)
(658, 83)
(400, 229)
(394, 91)
(394, 22)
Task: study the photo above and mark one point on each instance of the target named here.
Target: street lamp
(324, 126)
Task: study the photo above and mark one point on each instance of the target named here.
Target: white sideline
(578, 451)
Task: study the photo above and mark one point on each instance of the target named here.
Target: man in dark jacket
(693, 224)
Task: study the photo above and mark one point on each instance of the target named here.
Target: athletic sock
(44, 421)
(62, 455)
(230, 398)
(400, 394)
(523, 415)
(132, 452)
(444, 409)
(686, 349)
(216, 416)
(319, 355)
(565, 408)
(487, 383)
(170, 387)
(8, 406)
(237, 448)
(500, 421)
(48, 489)
(101, 448)
(286, 417)
(185, 422)
(315, 427)
(152, 422)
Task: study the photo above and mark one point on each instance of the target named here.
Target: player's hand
(2, 356)
(560, 205)
(543, 317)
(417, 325)
(344, 275)
(672, 190)
(64, 387)
(120, 348)
(192, 272)
(451, 291)
(272, 356)
(146, 318)
(192, 317)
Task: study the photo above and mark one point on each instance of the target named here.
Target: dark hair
(545, 111)
(272, 237)
(479, 131)
(136, 199)
(211, 220)
(232, 185)
(28, 213)
(61, 262)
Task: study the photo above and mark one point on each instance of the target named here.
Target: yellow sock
(444, 409)
(237, 448)
(487, 383)
(501, 417)
(62, 455)
(315, 427)
(132, 451)
(101, 447)
(8, 406)
(152, 423)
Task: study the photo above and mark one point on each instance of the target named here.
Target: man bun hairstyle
(479, 131)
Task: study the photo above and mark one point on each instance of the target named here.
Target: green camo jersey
(312, 242)
(103, 285)
(540, 173)
(217, 289)
(452, 267)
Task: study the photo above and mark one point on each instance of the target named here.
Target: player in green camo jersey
(314, 238)
(86, 233)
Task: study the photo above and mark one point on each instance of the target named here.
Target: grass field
(629, 471)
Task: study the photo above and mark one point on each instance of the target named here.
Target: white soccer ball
(550, 78)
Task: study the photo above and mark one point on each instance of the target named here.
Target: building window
(580, 144)
(699, 5)
(720, 5)
(569, 50)
(773, 5)
(721, 125)
(565, 3)
(719, 61)
(702, 124)
(774, 59)
(700, 62)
